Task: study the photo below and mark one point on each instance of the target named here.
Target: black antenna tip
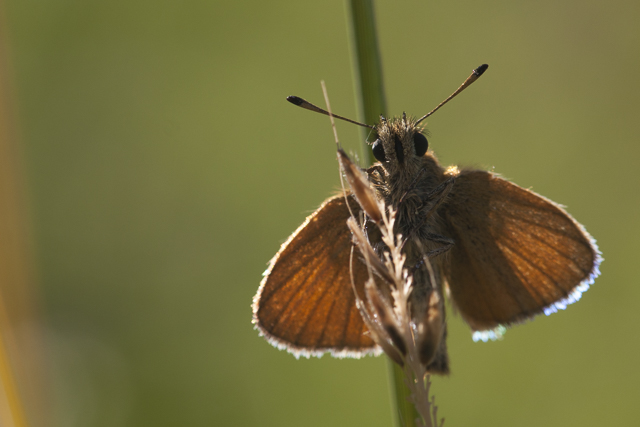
(480, 70)
(295, 100)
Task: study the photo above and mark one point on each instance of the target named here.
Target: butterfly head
(401, 143)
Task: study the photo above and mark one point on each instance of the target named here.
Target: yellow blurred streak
(21, 373)
(11, 410)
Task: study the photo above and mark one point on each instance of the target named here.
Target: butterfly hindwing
(516, 254)
(306, 303)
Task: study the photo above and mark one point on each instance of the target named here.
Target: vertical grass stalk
(371, 102)
(367, 69)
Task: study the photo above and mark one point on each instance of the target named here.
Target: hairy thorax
(410, 192)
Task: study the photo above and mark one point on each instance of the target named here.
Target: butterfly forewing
(516, 253)
(306, 301)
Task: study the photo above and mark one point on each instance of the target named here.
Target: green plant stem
(371, 102)
(405, 411)
(367, 70)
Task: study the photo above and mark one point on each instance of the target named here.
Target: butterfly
(503, 254)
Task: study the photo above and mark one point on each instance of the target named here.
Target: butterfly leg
(447, 244)
(438, 196)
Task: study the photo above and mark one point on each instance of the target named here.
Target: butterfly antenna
(295, 100)
(472, 78)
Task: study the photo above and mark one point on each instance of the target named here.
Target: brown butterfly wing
(305, 303)
(516, 253)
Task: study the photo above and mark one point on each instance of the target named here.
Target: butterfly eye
(420, 143)
(378, 150)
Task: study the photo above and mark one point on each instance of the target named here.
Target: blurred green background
(165, 168)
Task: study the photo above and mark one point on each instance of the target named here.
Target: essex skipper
(504, 253)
